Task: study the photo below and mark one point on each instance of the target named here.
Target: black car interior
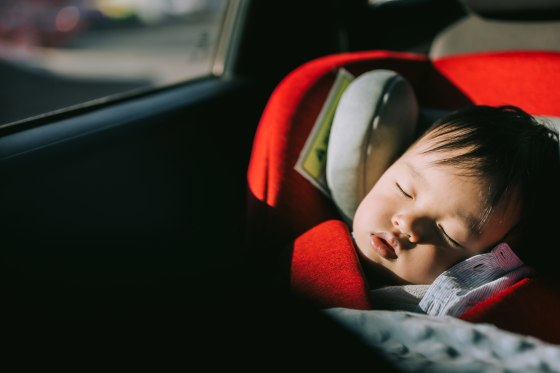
(133, 192)
(128, 216)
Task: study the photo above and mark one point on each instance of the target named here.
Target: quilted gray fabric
(421, 343)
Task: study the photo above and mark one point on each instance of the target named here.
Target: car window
(56, 55)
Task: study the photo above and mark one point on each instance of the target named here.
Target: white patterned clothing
(460, 287)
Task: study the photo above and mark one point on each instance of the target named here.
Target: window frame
(222, 66)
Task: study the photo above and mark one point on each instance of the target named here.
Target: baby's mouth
(382, 247)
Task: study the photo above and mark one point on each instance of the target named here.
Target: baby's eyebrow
(473, 224)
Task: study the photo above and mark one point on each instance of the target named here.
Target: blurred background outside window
(55, 54)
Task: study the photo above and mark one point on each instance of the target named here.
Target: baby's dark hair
(521, 159)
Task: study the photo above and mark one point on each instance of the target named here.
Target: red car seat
(286, 213)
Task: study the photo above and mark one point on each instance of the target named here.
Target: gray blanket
(421, 343)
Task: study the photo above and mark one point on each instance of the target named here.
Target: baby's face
(419, 219)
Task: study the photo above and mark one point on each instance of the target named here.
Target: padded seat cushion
(325, 269)
(281, 203)
(285, 209)
(375, 120)
(526, 79)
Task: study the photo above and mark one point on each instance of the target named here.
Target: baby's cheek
(422, 266)
(364, 220)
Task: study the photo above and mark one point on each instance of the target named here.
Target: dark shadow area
(226, 321)
(151, 201)
(397, 25)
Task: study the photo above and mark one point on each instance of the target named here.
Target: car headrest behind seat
(501, 25)
(515, 9)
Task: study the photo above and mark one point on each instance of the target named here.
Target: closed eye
(402, 191)
(450, 240)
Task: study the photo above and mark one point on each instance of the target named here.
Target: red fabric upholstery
(282, 204)
(325, 268)
(285, 209)
(529, 307)
(527, 79)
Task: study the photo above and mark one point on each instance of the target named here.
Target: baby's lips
(381, 247)
(391, 240)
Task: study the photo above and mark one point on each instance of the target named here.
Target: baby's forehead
(454, 181)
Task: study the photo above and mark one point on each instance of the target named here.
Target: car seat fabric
(528, 307)
(528, 79)
(374, 121)
(501, 25)
(515, 9)
(325, 269)
(285, 210)
(476, 34)
(281, 203)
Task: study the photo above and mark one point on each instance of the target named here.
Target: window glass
(55, 54)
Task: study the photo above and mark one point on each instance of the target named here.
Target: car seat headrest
(515, 9)
(375, 120)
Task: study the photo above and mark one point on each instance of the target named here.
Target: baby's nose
(406, 226)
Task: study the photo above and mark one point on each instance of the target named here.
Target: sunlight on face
(420, 219)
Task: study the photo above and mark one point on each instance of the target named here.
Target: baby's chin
(366, 252)
(378, 274)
